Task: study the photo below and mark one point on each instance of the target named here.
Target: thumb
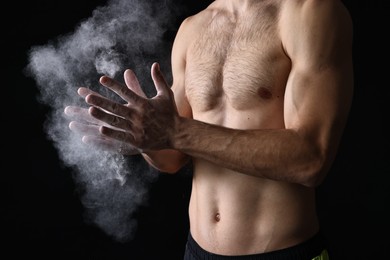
(159, 80)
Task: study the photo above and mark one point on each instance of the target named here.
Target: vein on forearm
(278, 154)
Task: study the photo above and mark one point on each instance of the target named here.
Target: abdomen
(232, 213)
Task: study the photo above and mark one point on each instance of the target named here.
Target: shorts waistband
(307, 250)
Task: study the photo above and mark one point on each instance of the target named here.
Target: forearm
(279, 154)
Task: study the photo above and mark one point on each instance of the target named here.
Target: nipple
(217, 217)
(264, 93)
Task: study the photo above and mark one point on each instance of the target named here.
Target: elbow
(312, 160)
(166, 168)
(313, 180)
(315, 172)
(170, 170)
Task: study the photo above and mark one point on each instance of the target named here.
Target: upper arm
(178, 64)
(317, 37)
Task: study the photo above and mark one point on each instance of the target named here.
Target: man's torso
(236, 73)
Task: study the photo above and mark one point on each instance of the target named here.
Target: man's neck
(235, 7)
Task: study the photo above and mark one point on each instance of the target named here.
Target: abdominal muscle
(236, 214)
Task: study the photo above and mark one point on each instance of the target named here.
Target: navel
(217, 217)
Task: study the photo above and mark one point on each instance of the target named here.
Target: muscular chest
(235, 64)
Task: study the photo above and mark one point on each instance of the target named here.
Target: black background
(43, 216)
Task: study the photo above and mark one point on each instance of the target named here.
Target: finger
(120, 89)
(80, 114)
(110, 145)
(83, 92)
(108, 105)
(133, 83)
(112, 120)
(121, 136)
(84, 129)
(159, 80)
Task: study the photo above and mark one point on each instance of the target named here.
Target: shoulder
(190, 28)
(322, 15)
(314, 24)
(314, 8)
(312, 2)
(195, 23)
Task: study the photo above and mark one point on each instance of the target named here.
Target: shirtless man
(260, 96)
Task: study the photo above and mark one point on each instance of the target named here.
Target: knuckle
(115, 108)
(114, 121)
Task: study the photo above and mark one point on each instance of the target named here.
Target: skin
(260, 97)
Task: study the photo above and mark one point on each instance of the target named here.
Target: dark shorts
(312, 249)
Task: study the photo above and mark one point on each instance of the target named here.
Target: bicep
(319, 88)
(317, 103)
